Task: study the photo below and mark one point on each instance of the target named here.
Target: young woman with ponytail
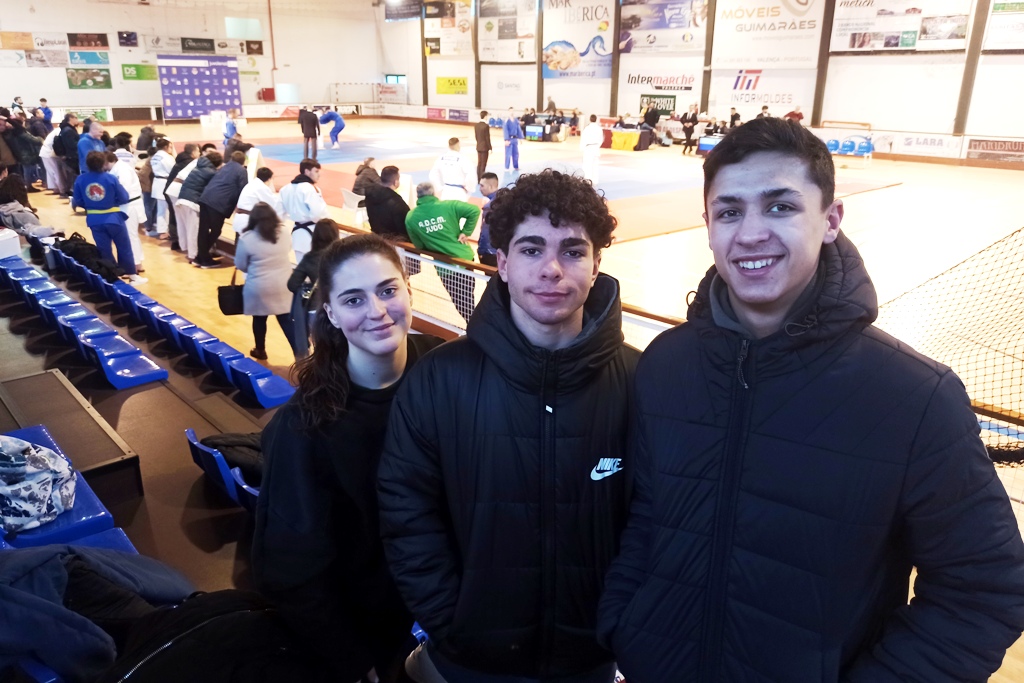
(317, 552)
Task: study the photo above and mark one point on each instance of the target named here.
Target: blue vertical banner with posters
(192, 86)
(579, 39)
(663, 26)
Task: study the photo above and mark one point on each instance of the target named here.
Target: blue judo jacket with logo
(503, 489)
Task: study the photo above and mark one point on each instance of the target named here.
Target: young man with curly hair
(501, 487)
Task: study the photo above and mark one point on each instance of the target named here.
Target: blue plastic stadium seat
(107, 290)
(100, 346)
(65, 319)
(169, 326)
(9, 265)
(258, 382)
(87, 517)
(38, 672)
(418, 632)
(33, 289)
(848, 147)
(217, 355)
(149, 315)
(247, 495)
(140, 302)
(82, 274)
(212, 462)
(192, 338)
(96, 282)
(111, 539)
(19, 278)
(45, 302)
(833, 146)
(128, 371)
(864, 148)
(123, 295)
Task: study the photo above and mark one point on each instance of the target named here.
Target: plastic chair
(17, 279)
(833, 146)
(848, 147)
(258, 382)
(33, 289)
(169, 326)
(47, 302)
(352, 204)
(418, 633)
(212, 462)
(864, 148)
(149, 314)
(217, 355)
(67, 316)
(84, 329)
(87, 517)
(124, 372)
(139, 306)
(111, 539)
(247, 495)
(192, 338)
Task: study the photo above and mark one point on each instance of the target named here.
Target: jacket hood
(378, 195)
(525, 365)
(847, 297)
(301, 178)
(205, 163)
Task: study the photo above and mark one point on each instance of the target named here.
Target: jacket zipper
(547, 520)
(725, 515)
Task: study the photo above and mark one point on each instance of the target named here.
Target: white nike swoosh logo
(598, 476)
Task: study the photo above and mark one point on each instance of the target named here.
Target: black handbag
(230, 298)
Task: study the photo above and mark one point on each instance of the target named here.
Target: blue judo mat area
(623, 181)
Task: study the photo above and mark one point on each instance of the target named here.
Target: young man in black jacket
(501, 487)
(793, 463)
(385, 208)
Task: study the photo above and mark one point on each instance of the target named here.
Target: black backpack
(58, 146)
(229, 636)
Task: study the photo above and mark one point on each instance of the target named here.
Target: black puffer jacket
(785, 487)
(193, 186)
(500, 505)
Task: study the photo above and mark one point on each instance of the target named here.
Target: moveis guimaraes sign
(783, 34)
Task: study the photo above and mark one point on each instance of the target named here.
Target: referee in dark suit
(483, 144)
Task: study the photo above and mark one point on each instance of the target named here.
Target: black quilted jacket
(501, 502)
(784, 489)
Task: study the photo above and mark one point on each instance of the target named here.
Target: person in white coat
(52, 163)
(262, 254)
(590, 142)
(134, 211)
(453, 174)
(302, 201)
(259, 189)
(161, 163)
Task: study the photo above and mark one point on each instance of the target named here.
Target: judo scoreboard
(195, 85)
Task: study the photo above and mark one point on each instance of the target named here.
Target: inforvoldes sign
(782, 34)
(750, 89)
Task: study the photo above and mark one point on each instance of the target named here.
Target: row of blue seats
(849, 147)
(227, 362)
(122, 363)
(228, 479)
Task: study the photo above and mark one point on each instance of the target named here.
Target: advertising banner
(391, 93)
(996, 150)
(508, 31)
(94, 114)
(139, 72)
(162, 45)
(452, 85)
(12, 58)
(927, 145)
(665, 104)
(89, 58)
(47, 58)
(781, 90)
(13, 40)
(87, 41)
(89, 79)
(579, 37)
(507, 85)
(758, 33)
(397, 10)
(663, 26)
(1005, 27)
(127, 39)
(448, 27)
(900, 25)
(229, 47)
(194, 86)
(644, 75)
(50, 41)
(254, 47)
(435, 113)
(458, 115)
(198, 46)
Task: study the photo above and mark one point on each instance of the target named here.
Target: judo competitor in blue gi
(230, 127)
(101, 195)
(339, 125)
(513, 133)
